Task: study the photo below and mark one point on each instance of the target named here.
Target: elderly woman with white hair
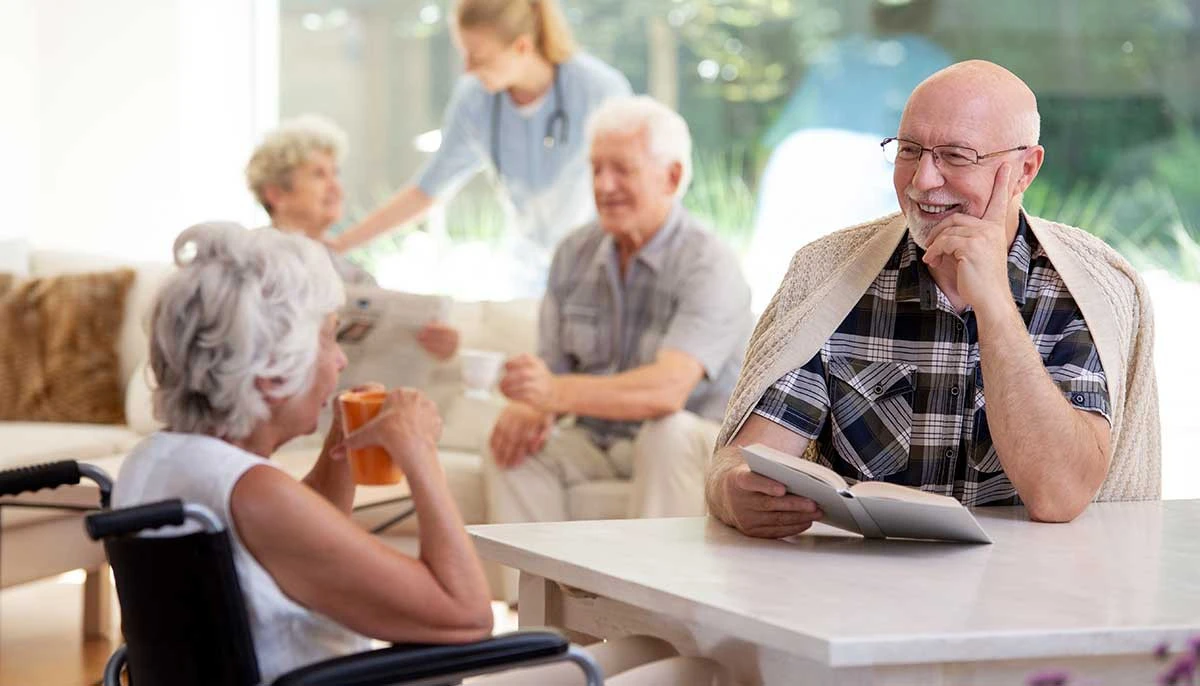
(244, 353)
(295, 175)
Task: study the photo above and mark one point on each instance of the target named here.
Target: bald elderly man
(961, 346)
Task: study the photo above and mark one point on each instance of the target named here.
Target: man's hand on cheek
(978, 246)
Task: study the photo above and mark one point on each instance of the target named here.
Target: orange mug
(371, 466)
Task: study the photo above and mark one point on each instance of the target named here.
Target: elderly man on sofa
(641, 336)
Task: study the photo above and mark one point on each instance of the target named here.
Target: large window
(1117, 84)
(787, 100)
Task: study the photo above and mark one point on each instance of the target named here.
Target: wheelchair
(183, 615)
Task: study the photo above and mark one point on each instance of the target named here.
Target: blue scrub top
(548, 190)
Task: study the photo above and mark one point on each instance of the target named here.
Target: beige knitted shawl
(827, 277)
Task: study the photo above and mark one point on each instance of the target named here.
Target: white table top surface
(1119, 579)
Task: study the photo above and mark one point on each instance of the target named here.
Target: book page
(882, 489)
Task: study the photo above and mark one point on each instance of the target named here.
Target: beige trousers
(665, 464)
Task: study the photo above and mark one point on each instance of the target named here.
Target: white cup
(480, 370)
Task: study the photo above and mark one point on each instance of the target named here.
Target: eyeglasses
(901, 150)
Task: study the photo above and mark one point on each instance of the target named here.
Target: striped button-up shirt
(683, 290)
(896, 394)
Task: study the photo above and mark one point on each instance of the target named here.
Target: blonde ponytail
(509, 19)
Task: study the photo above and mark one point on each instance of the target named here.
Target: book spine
(866, 523)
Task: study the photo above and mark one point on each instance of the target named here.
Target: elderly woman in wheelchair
(244, 355)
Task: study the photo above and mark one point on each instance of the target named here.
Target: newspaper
(378, 332)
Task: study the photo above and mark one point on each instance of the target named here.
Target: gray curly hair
(244, 305)
(288, 147)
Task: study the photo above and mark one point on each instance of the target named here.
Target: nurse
(520, 111)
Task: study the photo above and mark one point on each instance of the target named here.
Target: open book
(874, 509)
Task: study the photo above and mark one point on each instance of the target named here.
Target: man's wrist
(558, 400)
(997, 312)
(718, 493)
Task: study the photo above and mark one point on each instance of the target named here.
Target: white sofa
(37, 543)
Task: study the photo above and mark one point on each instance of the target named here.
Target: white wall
(18, 118)
(1178, 368)
(138, 118)
(229, 95)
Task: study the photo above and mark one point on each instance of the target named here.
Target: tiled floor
(41, 642)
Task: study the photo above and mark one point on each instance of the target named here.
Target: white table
(1094, 596)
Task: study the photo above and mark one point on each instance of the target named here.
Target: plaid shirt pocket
(871, 408)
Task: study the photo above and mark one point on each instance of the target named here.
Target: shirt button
(878, 390)
(958, 326)
(949, 452)
(954, 390)
(1077, 398)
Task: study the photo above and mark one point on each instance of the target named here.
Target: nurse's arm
(409, 204)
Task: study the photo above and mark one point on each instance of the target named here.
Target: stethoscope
(557, 127)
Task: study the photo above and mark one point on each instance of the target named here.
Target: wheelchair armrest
(418, 663)
(36, 477)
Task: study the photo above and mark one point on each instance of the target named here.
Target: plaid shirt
(902, 388)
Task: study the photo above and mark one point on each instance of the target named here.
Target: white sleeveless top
(203, 470)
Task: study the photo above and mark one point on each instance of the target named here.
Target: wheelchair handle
(130, 520)
(133, 519)
(35, 478)
(52, 475)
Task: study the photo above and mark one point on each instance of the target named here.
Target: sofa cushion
(467, 422)
(507, 326)
(464, 474)
(131, 345)
(58, 356)
(25, 443)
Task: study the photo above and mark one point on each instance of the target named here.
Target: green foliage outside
(720, 195)
(1116, 84)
